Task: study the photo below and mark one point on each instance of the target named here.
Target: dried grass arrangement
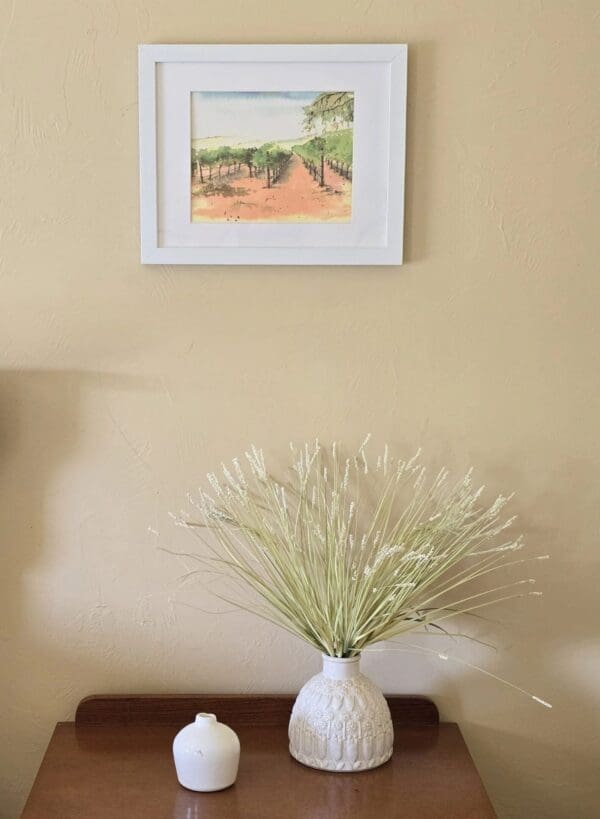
(351, 551)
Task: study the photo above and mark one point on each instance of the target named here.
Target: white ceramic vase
(206, 754)
(340, 720)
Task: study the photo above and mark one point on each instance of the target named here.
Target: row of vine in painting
(269, 158)
(334, 149)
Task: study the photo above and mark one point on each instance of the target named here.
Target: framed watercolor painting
(260, 154)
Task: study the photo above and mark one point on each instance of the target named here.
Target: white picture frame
(377, 75)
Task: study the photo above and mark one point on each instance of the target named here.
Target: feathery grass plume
(347, 552)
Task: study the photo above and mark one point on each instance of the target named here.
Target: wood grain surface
(237, 711)
(123, 768)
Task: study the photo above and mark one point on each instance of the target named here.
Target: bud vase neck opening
(341, 668)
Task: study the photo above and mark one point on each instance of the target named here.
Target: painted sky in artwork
(243, 116)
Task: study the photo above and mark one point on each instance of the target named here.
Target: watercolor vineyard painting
(271, 156)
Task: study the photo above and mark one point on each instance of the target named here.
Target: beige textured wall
(120, 385)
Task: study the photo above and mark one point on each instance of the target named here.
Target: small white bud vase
(340, 720)
(207, 754)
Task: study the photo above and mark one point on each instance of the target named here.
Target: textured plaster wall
(121, 385)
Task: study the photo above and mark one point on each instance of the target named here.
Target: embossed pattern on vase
(341, 725)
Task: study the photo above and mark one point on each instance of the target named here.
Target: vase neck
(205, 720)
(341, 668)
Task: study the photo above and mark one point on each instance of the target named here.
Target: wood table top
(116, 761)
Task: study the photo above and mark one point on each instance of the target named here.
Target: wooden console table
(114, 762)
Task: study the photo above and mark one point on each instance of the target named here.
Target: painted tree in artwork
(338, 152)
(204, 159)
(330, 113)
(224, 158)
(272, 159)
(237, 158)
(197, 164)
(335, 149)
(319, 146)
(328, 110)
(247, 158)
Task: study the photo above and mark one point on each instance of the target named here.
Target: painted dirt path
(296, 197)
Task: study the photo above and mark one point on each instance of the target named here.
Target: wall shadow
(420, 126)
(39, 435)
